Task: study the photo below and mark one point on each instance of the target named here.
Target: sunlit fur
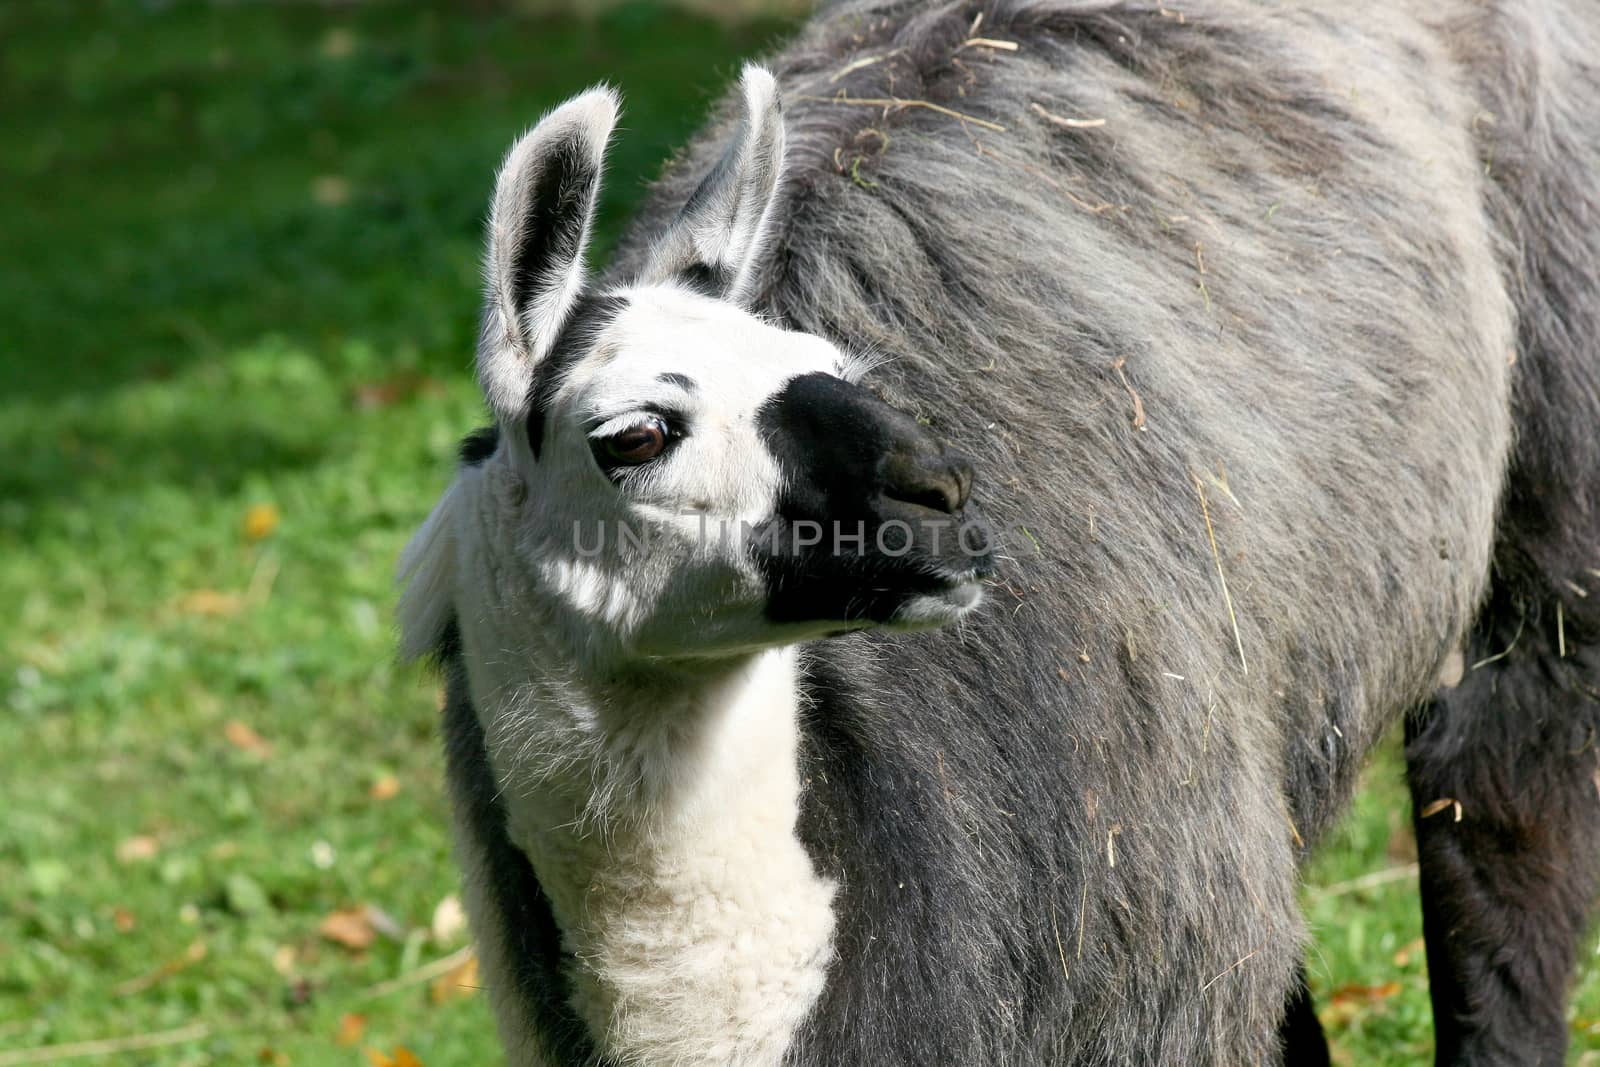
(1282, 379)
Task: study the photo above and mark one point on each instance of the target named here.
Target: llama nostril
(941, 484)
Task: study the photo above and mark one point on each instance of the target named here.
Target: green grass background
(238, 270)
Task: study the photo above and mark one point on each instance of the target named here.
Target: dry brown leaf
(349, 927)
(138, 848)
(1363, 994)
(460, 981)
(387, 787)
(241, 736)
(402, 1057)
(211, 602)
(351, 1027)
(260, 521)
(1402, 958)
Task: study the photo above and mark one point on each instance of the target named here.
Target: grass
(238, 289)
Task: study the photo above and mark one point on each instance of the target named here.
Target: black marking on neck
(590, 315)
(513, 902)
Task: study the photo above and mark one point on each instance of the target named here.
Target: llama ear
(544, 202)
(718, 236)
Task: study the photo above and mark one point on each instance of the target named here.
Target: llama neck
(660, 818)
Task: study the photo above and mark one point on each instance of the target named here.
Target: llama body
(1281, 386)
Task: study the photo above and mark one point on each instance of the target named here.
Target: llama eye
(639, 443)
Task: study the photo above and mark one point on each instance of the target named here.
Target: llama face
(679, 477)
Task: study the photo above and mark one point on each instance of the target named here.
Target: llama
(1262, 339)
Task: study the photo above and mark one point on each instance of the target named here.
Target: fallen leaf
(460, 981)
(242, 737)
(387, 787)
(1363, 994)
(351, 1027)
(260, 521)
(211, 602)
(1402, 958)
(449, 921)
(349, 927)
(330, 190)
(138, 848)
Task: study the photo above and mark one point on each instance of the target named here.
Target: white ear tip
(593, 113)
(760, 89)
(596, 107)
(594, 110)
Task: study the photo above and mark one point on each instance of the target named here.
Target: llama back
(1226, 330)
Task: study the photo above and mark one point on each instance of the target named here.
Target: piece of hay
(1216, 556)
(1071, 124)
(887, 102)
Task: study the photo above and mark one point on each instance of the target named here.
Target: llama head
(674, 475)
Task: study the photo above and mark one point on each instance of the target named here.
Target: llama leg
(1509, 876)
(1300, 1035)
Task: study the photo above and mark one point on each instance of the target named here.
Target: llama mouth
(960, 595)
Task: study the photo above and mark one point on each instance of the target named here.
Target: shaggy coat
(1270, 331)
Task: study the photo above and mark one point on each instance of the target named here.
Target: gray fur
(1248, 363)
(1335, 377)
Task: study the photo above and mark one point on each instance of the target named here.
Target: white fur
(640, 719)
(639, 711)
(517, 337)
(727, 226)
(657, 806)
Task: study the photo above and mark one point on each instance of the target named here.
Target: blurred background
(239, 249)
